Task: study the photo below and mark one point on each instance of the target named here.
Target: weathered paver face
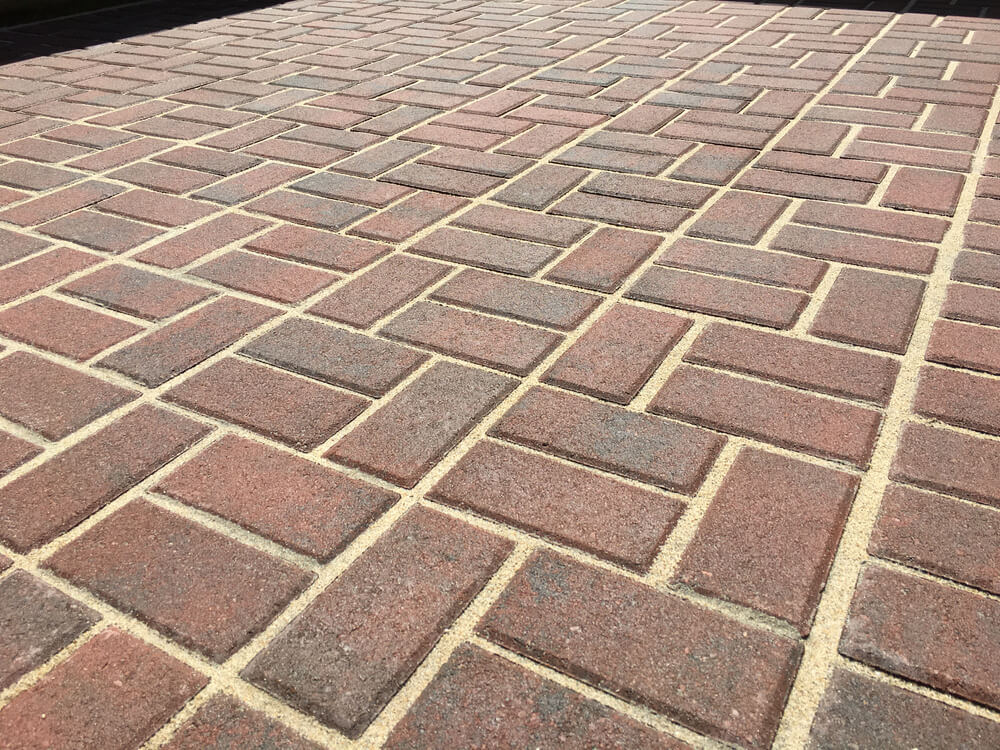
(458, 374)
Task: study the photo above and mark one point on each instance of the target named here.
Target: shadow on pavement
(46, 37)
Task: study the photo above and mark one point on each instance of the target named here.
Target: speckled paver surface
(611, 374)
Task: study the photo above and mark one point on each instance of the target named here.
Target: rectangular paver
(371, 627)
(114, 692)
(90, 474)
(569, 615)
(204, 590)
(406, 437)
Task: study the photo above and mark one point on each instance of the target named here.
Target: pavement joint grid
(456, 374)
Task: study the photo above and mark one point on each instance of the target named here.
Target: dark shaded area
(36, 38)
(32, 28)
(28, 11)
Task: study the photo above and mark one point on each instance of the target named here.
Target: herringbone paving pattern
(470, 374)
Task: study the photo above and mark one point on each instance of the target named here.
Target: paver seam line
(816, 299)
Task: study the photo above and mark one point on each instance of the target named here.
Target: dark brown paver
(855, 249)
(36, 622)
(500, 344)
(371, 627)
(33, 274)
(607, 518)
(282, 406)
(114, 692)
(100, 231)
(402, 440)
(14, 451)
(870, 309)
(783, 416)
(318, 248)
(668, 454)
(58, 494)
(303, 505)
(167, 352)
(482, 700)
(962, 345)
(376, 293)
(485, 251)
(134, 291)
(858, 711)
(744, 263)
(739, 217)
(604, 260)
(960, 398)
(224, 722)
(530, 301)
(949, 461)
(51, 399)
(333, 355)
(925, 631)
(573, 617)
(768, 538)
(827, 369)
(618, 353)
(192, 243)
(265, 277)
(941, 535)
(63, 328)
(199, 587)
(727, 298)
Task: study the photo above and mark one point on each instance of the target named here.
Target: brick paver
(456, 374)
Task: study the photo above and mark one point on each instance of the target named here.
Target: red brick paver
(481, 700)
(225, 722)
(573, 617)
(113, 692)
(370, 628)
(204, 589)
(442, 374)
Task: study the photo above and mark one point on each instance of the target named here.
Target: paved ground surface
(485, 374)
